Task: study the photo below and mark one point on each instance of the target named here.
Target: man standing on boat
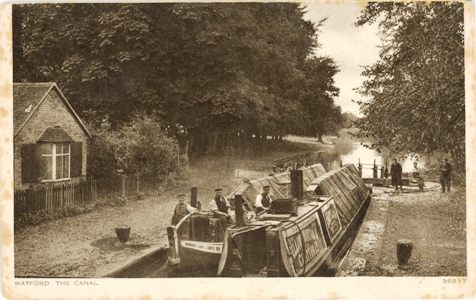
(445, 175)
(181, 210)
(263, 200)
(396, 173)
(219, 203)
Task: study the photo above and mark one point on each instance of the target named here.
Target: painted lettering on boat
(331, 218)
(202, 246)
(310, 229)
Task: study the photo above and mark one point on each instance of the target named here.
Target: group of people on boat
(219, 204)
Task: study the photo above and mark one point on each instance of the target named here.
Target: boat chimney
(296, 184)
(193, 199)
(239, 213)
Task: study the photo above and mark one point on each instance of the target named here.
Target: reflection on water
(367, 157)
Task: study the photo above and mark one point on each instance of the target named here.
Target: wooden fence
(56, 197)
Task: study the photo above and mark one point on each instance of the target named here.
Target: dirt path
(433, 221)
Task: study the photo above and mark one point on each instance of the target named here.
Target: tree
(348, 119)
(317, 97)
(216, 70)
(140, 145)
(97, 53)
(416, 96)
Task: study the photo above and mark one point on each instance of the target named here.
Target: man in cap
(181, 209)
(263, 200)
(396, 173)
(445, 175)
(219, 203)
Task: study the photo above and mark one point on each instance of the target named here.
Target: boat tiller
(174, 258)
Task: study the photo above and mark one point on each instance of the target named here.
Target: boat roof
(279, 184)
(345, 186)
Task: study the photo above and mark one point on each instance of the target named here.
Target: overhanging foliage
(415, 92)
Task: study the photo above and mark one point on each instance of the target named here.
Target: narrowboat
(196, 242)
(310, 225)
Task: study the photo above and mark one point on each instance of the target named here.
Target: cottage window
(49, 162)
(55, 161)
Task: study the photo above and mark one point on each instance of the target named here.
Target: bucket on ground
(404, 251)
(123, 233)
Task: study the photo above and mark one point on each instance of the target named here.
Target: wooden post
(138, 186)
(340, 163)
(95, 189)
(382, 169)
(239, 213)
(404, 251)
(375, 169)
(193, 197)
(186, 150)
(123, 186)
(360, 169)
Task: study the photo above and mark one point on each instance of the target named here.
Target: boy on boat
(181, 210)
(263, 200)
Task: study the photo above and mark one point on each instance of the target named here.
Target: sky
(349, 46)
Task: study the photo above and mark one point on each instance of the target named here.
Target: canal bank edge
(368, 243)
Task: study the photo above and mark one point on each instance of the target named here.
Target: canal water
(355, 154)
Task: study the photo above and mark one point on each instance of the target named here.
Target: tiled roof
(55, 135)
(26, 97)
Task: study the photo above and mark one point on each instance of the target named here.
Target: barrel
(404, 251)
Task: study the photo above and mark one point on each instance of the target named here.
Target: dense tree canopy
(415, 92)
(215, 70)
(349, 119)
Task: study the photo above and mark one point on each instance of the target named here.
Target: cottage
(50, 139)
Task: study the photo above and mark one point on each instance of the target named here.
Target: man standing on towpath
(396, 173)
(445, 175)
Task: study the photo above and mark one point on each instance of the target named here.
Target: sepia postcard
(238, 150)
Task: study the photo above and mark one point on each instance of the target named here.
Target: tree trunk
(191, 142)
(319, 138)
(212, 142)
(230, 142)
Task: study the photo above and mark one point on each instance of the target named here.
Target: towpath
(433, 221)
